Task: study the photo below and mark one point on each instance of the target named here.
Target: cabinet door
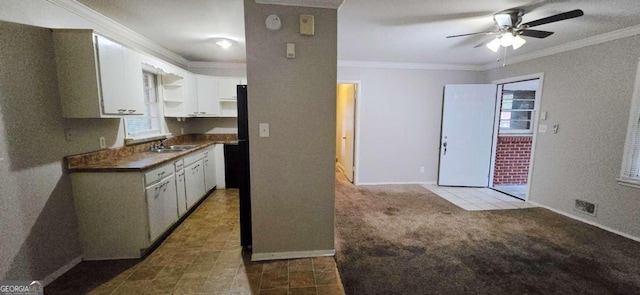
(111, 65)
(191, 96)
(194, 181)
(209, 169)
(207, 87)
(133, 96)
(180, 193)
(155, 210)
(170, 205)
(227, 87)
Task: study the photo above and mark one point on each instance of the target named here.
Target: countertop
(137, 159)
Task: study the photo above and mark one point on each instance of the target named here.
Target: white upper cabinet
(207, 88)
(97, 78)
(227, 87)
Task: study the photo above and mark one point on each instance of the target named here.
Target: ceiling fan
(509, 28)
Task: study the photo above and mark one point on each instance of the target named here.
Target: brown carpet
(403, 239)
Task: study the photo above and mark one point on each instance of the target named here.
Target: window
(630, 172)
(518, 106)
(149, 124)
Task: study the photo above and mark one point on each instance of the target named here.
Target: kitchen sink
(166, 151)
(173, 149)
(181, 147)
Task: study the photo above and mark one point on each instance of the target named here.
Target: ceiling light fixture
(224, 43)
(505, 40)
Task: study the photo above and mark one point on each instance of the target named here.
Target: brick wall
(512, 160)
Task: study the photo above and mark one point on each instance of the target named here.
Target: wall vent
(586, 207)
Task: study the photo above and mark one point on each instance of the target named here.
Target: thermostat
(273, 22)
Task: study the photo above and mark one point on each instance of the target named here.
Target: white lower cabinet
(180, 188)
(121, 214)
(194, 179)
(210, 180)
(162, 206)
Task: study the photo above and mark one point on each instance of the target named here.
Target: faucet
(158, 145)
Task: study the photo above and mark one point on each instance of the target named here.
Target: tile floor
(203, 256)
(478, 199)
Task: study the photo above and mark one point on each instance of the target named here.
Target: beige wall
(588, 93)
(38, 223)
(399, 121)
(292, 171)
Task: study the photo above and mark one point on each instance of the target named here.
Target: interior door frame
(536, 115)
(356, 128)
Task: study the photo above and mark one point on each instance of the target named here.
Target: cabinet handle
(132, 111)
(203, 113)
(121, 111)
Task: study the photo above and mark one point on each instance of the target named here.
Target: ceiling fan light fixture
(507, 39)
(518, 42)
(224, 43)
(494, 45)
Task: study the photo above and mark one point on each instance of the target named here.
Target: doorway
(346, 96)
(517, 104)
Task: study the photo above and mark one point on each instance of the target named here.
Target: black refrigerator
(244, 181)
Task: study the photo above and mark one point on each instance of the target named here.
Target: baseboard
(65, 268)
(291, 255)
(385, 183)
(611, 230)
(431, 183)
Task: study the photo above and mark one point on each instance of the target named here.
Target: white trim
(291, 255)
(410, 66)
(617, 232)
(118, 32)
(356, 142)
(629, 182)
(402, 182)
(331, 4)
(630, 140)
(217, 65)
(536, 121)
(598, 39)
(62, 270)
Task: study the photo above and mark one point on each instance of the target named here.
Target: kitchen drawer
(191, 158)
(156, 174)
(179, 165)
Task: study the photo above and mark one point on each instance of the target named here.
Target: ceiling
(410, 31)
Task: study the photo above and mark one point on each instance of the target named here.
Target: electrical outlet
(67, 135)
(103, 142)
(264, 129)
(421, 169)
(181, 130)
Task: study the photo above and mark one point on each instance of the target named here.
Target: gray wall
(38, 220)
(400, 114)
(588, 93)
(292, 171)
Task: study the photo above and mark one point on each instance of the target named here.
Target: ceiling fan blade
(471, 34)
(535, 33)
(554, 18)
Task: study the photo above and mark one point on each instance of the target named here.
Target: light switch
(306, 25)
(543, 115)
(291, 50)
(542, 128)
(264, 129)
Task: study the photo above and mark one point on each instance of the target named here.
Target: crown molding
(332, 4)
(218, 65)
(598, 39)
(119, 32)
(410, 66)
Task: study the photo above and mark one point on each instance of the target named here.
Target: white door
(468, 114)
(346, 127)
(209, 169)
(194, 183)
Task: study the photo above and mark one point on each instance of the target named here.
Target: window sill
(629, 182)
